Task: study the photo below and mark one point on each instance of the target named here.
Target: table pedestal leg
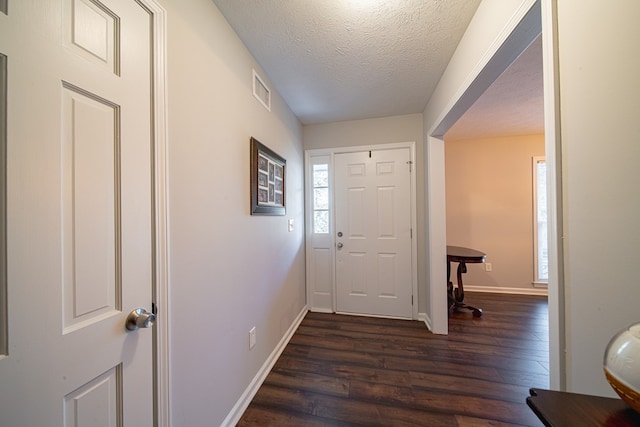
(456, 295)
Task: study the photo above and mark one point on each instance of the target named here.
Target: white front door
(373, 232)
(79, 213)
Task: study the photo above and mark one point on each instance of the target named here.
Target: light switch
(290, 225)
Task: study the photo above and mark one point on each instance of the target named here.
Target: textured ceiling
(512, 105)
(334, 60)
(337, 60)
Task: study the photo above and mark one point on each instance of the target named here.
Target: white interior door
(373, 232)
(79, 213)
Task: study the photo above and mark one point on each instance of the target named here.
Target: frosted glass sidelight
(321, 198)
(321, 222)
(320, 176)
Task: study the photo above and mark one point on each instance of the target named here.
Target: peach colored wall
(489, 206)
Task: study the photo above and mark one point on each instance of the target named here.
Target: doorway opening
(537, 18)
(490, 178)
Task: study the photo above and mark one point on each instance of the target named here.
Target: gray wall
(229, 271)
(599, 113)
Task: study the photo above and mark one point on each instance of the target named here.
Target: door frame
(160, 292)
(534, 17)
(327, 301)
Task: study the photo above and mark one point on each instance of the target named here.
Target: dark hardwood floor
(349, 370)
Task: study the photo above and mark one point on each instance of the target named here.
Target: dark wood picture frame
(268, 180)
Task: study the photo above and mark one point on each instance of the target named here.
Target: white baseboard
(427, 321)
(504, 290)
(244, 401)
(321, 310)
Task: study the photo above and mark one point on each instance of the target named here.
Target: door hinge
(411, 299)
(411, 233)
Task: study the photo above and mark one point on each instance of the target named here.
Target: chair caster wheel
(477, 312)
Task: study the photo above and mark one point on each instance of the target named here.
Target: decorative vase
(622, 365)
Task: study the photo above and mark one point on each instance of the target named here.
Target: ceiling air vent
(261, 91)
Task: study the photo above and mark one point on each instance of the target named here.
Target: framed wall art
(268, 176)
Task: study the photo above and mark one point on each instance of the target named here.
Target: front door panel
(373, 226)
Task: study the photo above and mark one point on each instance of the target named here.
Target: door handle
(140, 318)
(339, 245)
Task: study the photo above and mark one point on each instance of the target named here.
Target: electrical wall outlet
(290, 225)
(488, 266)
(252, 338)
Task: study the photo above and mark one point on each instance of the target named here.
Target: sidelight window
(321, 199)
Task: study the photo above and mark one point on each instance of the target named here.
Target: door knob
(340, 245)
(140, 318)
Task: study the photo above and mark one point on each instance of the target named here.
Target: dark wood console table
(561, 409)
(462, 256)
